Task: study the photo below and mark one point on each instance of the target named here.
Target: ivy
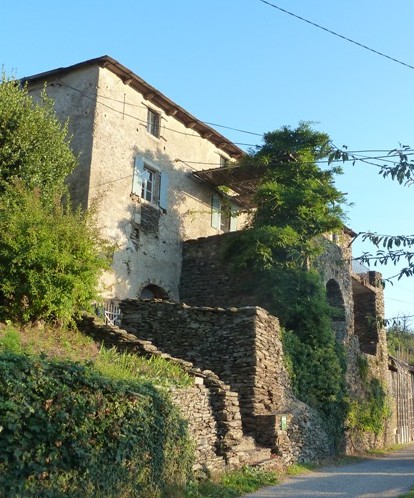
(371, 410)
(67, 431)
(297, 202)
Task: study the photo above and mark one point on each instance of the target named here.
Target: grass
(410, 494)
(229, 485)
(74, 346)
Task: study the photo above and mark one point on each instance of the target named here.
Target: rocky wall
(209, 406)
(242, 346)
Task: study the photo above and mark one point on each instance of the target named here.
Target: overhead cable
(338, 35)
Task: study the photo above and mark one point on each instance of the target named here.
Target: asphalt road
(388, 476)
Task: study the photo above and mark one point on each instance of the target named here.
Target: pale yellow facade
(108, 119)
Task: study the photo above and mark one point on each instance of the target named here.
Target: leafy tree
(50, 256)
(297, 202)
(34, 146)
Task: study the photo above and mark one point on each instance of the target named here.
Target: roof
(150, 93)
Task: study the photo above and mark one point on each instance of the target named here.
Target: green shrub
(67, 431)
(51, 258)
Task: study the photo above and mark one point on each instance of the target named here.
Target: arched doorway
(152, 291)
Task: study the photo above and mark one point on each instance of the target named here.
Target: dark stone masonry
(242, 347)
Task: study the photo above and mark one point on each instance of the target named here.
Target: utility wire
(338, 35)
(365, 159)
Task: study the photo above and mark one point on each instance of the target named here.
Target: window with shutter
(149, 183)
(223, 215)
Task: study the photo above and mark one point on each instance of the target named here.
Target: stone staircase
(248, 452)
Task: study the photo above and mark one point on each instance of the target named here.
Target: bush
(66, 431)
(51, 258)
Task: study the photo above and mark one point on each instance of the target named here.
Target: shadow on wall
(159, 210)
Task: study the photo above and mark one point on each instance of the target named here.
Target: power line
(338, 35)
(352, 158)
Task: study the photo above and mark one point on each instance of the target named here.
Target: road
(381, 477)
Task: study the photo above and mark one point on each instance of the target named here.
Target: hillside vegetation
(81, 422)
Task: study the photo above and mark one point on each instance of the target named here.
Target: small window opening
(150, 190)
(153, 123)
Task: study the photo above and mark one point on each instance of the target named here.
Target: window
(153, 123)
(150, 188)
(223, 215)
(149, 183)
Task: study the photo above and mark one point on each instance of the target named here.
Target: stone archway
(335, 300)
(152, 291)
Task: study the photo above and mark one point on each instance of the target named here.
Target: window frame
(160, 183)
(153, 122)
(226, 223)
(151, 184)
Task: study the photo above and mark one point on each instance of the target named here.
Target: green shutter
(233, 218)
(164, 190)
(137, 176)
(215, 211)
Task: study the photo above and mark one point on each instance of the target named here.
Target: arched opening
(335, 301)
(152, 291)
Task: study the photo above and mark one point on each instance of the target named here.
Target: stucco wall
(108, 120)
(74, 97)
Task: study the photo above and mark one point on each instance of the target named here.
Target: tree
(51, 256)
(34, 146)
(297, 202)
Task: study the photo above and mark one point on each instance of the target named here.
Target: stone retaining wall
(211, 408)
(242, 346)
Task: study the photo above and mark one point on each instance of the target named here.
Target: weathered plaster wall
(108, 119)
(242, 346)
(74, 97)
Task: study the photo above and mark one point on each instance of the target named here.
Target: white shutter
(137, 176)
(233, 218)
(164, 190)
(215, 211)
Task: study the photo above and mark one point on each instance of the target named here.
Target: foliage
(34, 146)
(51, 258)
(400, 341)
(230, 485)
(116, 365)
(67, 431)
(124, 366)
(317, 360)
(389, 248)
(371, 413)
(296, 199)
(297, 202)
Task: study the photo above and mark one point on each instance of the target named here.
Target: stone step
(255, 456)
(247, 443)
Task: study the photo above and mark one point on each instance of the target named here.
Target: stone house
(138, 155)
(156, 172)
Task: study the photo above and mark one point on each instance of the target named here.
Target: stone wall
(242, 346)
(208, 278)
(211, 408)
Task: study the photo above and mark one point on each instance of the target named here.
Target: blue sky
(246, 65)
